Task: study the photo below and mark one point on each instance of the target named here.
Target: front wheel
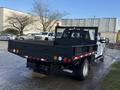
(82, 69)
(21, 38)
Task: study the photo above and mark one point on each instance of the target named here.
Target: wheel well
(46, 38)
(89, 58)
(79, 67)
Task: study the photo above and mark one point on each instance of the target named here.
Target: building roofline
(15, 10)
(90, 18)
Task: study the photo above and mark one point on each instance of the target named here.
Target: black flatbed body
(47, 49)
(64, 47)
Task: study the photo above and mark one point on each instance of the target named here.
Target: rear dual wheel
(82, 69)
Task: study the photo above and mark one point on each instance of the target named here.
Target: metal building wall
(107, 26)
(104, 24)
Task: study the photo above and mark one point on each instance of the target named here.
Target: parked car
(45, 36)
(7, 37)
(34, 34)
(25, 37)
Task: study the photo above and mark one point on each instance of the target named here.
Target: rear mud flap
(39, 68)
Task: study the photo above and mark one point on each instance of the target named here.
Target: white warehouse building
(107, 26)
(6, 12)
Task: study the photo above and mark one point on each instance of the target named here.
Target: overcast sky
(75, 8)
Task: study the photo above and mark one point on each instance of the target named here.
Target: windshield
(36, 34)
(44, 33)
(5, 35)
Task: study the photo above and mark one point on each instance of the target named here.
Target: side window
(92, 34)
(50, 34)
(86, 35)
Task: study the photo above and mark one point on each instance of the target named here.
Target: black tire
(79, 69)
(16, 38)
(46, 39)
(21, 38)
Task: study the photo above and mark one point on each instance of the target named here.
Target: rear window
(86, 35)
(71, 33)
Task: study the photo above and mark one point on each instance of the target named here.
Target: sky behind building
(75, 8)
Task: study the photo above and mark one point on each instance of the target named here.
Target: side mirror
(107, 40)
(102, 41)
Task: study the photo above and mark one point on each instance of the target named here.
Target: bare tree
(11, 31)
(47, 17)
(19, 22)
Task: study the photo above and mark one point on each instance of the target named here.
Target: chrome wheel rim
(85, 69)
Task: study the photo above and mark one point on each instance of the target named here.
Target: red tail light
(67, 60)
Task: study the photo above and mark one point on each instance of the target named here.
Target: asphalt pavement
(15, 76)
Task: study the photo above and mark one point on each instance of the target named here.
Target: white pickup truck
(45, 36)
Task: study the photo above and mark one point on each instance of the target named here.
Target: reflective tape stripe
(84, 55)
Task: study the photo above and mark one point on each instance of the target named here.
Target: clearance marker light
(26, 56)
(60, 58)
(81, 56)
(14, 50)
(77, 57)
(17, 51)
(55, 57)
(42, 59)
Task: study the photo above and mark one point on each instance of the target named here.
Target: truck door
(101, 47)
